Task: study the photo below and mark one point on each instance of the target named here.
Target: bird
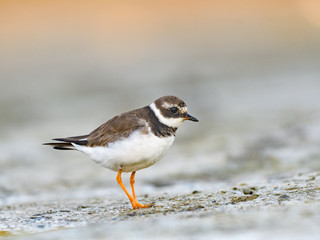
(133, 140)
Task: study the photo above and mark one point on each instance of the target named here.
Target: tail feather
(66, 143)
(61, 146)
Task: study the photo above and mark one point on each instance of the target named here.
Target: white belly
(136, 152)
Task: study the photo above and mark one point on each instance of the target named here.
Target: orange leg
(133, 199)
(132, 181)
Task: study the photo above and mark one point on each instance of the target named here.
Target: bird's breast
(139, 150)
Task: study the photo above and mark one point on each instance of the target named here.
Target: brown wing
(120, 126)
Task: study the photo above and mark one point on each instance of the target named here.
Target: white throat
(170, 122)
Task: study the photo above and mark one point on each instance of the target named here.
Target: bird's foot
(136, 205)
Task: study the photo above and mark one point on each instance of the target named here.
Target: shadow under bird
(133, 140)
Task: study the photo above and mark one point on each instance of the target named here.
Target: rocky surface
(286, 209)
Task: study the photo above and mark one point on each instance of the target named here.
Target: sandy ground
(286, 209)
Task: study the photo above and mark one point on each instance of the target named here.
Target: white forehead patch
(183, 109)
(170, 122)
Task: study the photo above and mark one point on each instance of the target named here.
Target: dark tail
(66, 143)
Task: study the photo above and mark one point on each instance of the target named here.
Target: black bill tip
(191, 118)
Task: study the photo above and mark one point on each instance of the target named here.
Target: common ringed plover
(133, 140)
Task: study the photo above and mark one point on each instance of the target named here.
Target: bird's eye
(174, 109)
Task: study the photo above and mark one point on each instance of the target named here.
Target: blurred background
(248, 70)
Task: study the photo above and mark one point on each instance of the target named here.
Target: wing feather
(120, 126)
